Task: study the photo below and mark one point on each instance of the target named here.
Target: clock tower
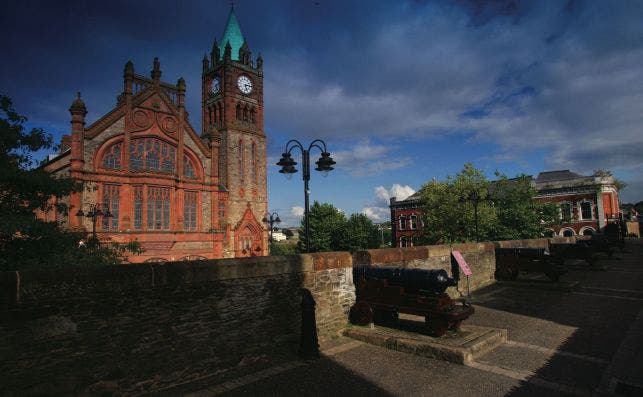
(232, 123)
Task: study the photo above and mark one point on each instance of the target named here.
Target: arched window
(565, 212)
(220, 112)
(189, 211)
(240, 156)
(253, 160)
(567, 232)
(252, 115)
(188, 168)
(588, 232)
(111, 203)
(151, 154)
(238, 112)
(112, 157)
(245, 113)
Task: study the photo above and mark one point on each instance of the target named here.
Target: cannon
(578, 250)
(511, 261)
(384, 292)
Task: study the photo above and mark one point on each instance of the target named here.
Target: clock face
(215, 86)
(244, 84)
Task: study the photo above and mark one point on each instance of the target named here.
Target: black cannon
(414, 281)
(384, 292)
(579, 250)
(511, 261)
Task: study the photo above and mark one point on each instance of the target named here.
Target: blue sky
(401, 91)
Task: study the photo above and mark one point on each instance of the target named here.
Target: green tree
(519, 216)
(360, 232)
(469, 207)
(451, 208)
(24, 239)
(288, 233)
(326, 225)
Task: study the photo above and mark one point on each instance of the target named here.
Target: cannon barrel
(414, 281)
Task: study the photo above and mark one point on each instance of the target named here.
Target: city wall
(144, 327)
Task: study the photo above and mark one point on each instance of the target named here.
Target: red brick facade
(179, 193)
(587, 204)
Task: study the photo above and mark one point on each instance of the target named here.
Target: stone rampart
(141, 328)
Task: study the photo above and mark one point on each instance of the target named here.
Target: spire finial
(232, 5)
(78, 94)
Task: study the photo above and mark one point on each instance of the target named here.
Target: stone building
(179, 192)
(587, 204)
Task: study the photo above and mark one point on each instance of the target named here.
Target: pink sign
(462, 263)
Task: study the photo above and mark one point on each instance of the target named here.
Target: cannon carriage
(511, 261)
(382, 293)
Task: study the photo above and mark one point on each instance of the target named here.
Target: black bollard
(308, 344)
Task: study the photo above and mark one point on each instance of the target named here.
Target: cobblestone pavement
(585, 342)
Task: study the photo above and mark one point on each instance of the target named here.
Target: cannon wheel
(361, 314)
(455, 325)
(385, 317)
(438, 325)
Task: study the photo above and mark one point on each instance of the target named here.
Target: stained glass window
(138, 207)
(188, 168)
(151, 154)
(189, 211)
(111, 203)
(112, 157)
(158, 208)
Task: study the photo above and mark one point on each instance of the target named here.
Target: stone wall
(143, 327)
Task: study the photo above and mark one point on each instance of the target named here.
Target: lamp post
(271, 219)
(95, 212)
(287, 164)
(475, 199)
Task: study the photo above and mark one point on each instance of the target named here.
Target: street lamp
(95, 212)
(475, 199)
(271, 219)
(287, 164)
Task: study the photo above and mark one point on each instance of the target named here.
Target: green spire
(232, 35)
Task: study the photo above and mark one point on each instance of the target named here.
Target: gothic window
(240, 158)
(111, 203)
(158, 208)
(586, 210)
(138, 207)
(238, 112)
(245, 113)
(220, 112)
(252, 115)
(188, 168)
(189, 211)
(253, 166)
(112, 157)
(221, 210)
(151, 154)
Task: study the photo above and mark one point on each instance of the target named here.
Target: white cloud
(365, 158)
(379, 210)
(297, 212)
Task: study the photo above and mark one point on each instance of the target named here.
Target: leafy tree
(359, 231)
(519, 215)
(326, 225)
(283, 248)
(24, 239)
(288, 233)
(451, 208)
(468, 207)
